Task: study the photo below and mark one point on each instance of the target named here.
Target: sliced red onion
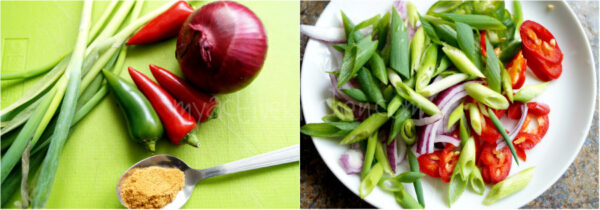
(326, 34)
(396, 152)
(352, 161)
(512, 134)
(446, 101)
(400, 6)
(448, 139)
(428, 120)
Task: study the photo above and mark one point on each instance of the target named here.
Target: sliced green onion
(466, 42)
(429, 30)
(507, 85)
(461, 61)
(408, 132)
(492, 68)
(427, 68)
(443, 84)
(486, 96)
(355, 94)
(393, 106)
(369, 154)
(328, 129)
(370, 181)
(382, 158)
(378, 68)
(481, 22)
(340, 109)
(509, 186)
(414, 167)
(409, 176)
(446, 33)
(406, 200)
(455, 116)
(370, 87)
(366, 128)
(401, 115)
(399, 46)
(417, 46)
(529, 92)
(410, 95)
(475, 118)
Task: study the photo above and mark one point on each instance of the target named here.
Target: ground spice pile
(152, 187)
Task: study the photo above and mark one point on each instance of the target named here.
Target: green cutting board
(260, 118)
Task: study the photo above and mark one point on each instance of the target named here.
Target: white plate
(571, 99)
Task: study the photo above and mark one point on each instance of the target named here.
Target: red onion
(352, 161)
(428, 120)
(448, 139)
(221, 47)
(446, 101)
(396, 152)
(512, 134)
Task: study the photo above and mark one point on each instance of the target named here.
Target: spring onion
(492, 69)
(340, 109)
(399, 46)
(368, 183)
(355, 94)
(381, 157)
(480, 22)
(414, 167)
(378, 68)
(427, 68)
(417, 46)
(393, 106)
(466, 42)
(369, 154)
(509, 186)
(328, 129)
(502, 132)
(529, 92)
(370, 87)
(443, 84)
(410, 95)
(408, 132)
(401, 115)
(366, 128)
(475, 118)
(455, 115)
(486, 96)
(461, 61)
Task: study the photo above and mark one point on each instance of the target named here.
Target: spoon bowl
(193, 176)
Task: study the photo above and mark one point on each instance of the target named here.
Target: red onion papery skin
(221, 47)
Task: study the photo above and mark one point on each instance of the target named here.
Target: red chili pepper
(482, 43)
(199, 104)
(163, 26)
(177, 122)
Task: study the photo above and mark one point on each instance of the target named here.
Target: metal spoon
(192, 176)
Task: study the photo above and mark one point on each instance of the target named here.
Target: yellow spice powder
(152, 187)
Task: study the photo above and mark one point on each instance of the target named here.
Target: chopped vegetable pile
(434, 87)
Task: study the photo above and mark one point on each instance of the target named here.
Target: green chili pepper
(366, 128)
(414, 167)
(529, 92)
(330, 118)
(393, 106)
(427, 68)
(370, 87)
(355, 94)
(378, 68)
(143, 122)
(429, 30)
(369, 154)
(410, 95)
(500, 129)
(406, 201)
(341, 110)
(492, 69)
(417, 45)
(455, 116)
(466, 42)
(328, 129)
(401, 115)
(381, 157)
(409, 176)
(443, 84)
(507, 85)
(475, 118)
(509, 186)
(399, 46)
(446, 33)
(481, 22)
(370, 181)
(509, 50)
(486, 96)
(408, 132)
(461, 61)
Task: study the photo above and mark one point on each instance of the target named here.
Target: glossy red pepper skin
(163, 26)
(199, 104)
(177, 122)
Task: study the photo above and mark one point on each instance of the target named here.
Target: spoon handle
(277, 157)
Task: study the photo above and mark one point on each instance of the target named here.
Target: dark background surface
(577, 188)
